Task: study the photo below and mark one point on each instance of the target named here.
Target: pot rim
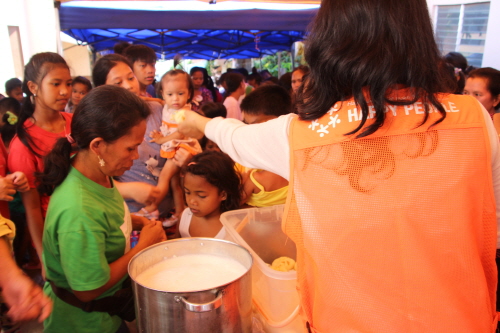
(215, 289)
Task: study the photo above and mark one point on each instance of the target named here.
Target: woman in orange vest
(392, 179)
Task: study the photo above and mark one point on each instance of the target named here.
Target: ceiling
(193, 29)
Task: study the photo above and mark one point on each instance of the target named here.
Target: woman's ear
(223, 195)
(96, 145)
(33, 87)
(496, 100)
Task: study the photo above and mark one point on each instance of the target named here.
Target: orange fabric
(395, 232)
(171, 153)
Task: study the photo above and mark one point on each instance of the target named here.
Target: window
(462, 28)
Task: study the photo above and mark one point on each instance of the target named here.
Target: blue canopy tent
(195, 34)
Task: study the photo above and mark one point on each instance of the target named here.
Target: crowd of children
(164, 175)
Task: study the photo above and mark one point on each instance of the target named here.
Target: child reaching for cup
(177, 91)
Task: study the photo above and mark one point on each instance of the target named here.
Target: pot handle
(203, 307)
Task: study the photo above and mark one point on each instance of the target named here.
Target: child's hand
(26, 299)
(152, 233)
(20, 181)
(155, 136)
(7, 189)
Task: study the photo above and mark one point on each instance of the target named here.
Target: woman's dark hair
(492, 77)
(390, 43)
(104, 65)
(256, 77)
(218, 169)
(457, 60)
(456, 75)
(303, 68)
(8, 130)
(173, 73)
(107, 112)
(285, 81)
(120, 47)
(35, 71)
(233, 81)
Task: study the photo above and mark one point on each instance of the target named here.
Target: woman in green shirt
(86, 246)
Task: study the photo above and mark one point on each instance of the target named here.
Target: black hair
(492, 77)
(285, 81)
(391, 43)
(457, 76)
(457, 60)
(120, 47)
(35, 71)
(10, 104)
(172, 73)
(255, 76)
(81, 80)
(233, 81)
(140, 53)
(243, 71)
(107, 112)
(8, 129)
(270, 100)
(222, 79)
(218, 169)
(12, 84)
(104, 65)
(84, 81)
(212, 110)
(271, 80)
(303, 68)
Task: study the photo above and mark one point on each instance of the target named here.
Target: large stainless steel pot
(226, 308)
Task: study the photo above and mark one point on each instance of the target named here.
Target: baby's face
(176, 92)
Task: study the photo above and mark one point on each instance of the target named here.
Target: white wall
(78, 58)
(38, 32)
(491, 56)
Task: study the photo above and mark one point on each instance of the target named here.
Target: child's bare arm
(270, 181)
(168, 171)
(157, 137)
(152, 99)
(178, 194)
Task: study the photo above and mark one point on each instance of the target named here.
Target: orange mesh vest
(395, 232)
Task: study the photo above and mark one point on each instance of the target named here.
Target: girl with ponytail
(47, 85)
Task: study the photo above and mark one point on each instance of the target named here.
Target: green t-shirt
(85, 230)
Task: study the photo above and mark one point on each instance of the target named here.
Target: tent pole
(279, 64)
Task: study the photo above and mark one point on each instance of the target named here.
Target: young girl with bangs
(212, 187)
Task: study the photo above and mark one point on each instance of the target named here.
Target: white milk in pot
(193, 285)
(191, 272)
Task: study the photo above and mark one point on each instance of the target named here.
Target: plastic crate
(274, 293)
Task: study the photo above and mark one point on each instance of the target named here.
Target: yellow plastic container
(274, 293)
